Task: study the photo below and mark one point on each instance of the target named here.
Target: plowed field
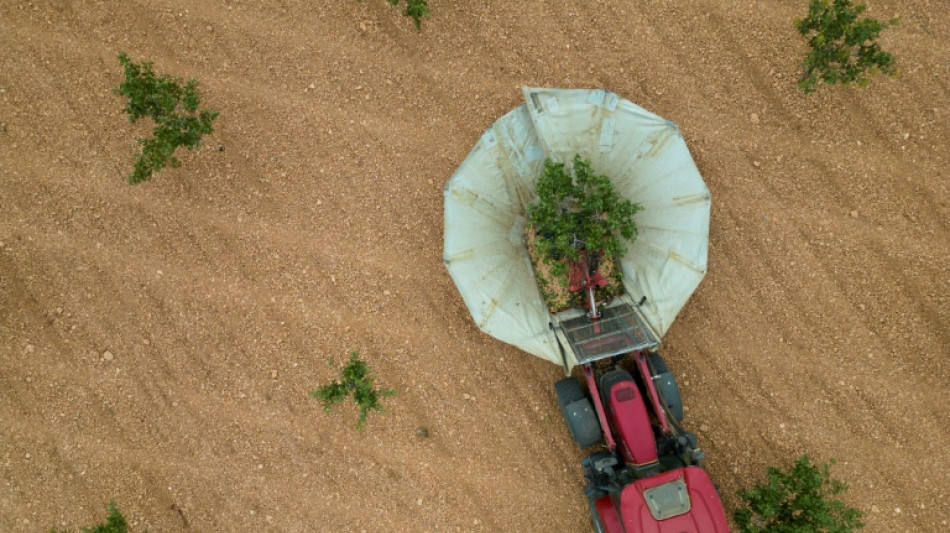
(157, 342)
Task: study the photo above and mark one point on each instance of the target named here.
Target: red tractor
(649, 477)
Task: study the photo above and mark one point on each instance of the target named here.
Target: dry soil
(157, 342)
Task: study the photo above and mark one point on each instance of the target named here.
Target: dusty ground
(220, 289)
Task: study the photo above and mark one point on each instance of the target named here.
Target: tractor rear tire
(578, 413)
(568, 391)
(665, 383)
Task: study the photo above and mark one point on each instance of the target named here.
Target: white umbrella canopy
(486, 203)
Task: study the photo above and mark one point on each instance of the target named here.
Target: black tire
(568, 391)
(658, 364)
(666, 385)
(578, 413)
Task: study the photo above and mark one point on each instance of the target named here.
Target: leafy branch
(843, 49)
(579, 211)
(115, 523)
(173, 108)
(801, 500)
(354, 379)
(415, 9)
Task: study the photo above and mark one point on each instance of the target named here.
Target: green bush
(115, 523)
(415, 9)
(843, 49)
(801, 500)
(579, 211)
(355, 378)
(173, 108)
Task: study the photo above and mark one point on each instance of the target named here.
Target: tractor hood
(486, 201)
(679, 501)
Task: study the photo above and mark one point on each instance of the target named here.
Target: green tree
(115, 523)
(579, 211)
(173, 108)
(801, 500)
(354, 379)
(843, 49)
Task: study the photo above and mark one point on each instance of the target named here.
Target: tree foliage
(115, 523)
(173, 108)
(354, 379)
(801, 500)
(579, 211)
(843, 48)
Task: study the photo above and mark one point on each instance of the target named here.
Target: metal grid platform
(620, 330)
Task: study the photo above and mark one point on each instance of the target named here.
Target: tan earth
(157, 342)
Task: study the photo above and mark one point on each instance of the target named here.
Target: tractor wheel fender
(604, 516)
(595, 522)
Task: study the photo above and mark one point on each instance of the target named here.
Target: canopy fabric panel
(486, 200)
(484, 221)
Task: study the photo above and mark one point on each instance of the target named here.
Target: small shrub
(801, 500)
(578, 211)
(115, 523)
(843, 49)
(173, 108)
(355, 378)
(415, 9)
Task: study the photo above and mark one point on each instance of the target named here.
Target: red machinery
(648, 477)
